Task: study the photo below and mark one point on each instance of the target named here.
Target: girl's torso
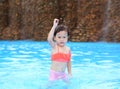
(60, 58)
(58, 66)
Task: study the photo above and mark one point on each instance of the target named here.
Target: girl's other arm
(69, 64)
(51, 33)
(69, 68)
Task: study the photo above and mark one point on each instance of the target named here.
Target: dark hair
(61, 28)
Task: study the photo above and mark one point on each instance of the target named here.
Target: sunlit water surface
(25, 65)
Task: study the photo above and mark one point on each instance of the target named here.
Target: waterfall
(28, 19)
(107, 21)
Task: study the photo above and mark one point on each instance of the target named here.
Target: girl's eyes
(61, 37)
(64, 36)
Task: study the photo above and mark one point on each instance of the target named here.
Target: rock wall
(3, 16)
(88, 20)
(114, 28)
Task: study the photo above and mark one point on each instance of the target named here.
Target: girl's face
(61, 38)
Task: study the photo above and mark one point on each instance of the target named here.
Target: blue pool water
(25, 65)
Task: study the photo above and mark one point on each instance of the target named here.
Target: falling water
(24, 21)
(28, 19)
(107, 21)
(78, 4)
(78, 8)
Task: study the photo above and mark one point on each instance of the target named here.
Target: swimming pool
(25, 65)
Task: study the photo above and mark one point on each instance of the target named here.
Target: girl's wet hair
(61, 28)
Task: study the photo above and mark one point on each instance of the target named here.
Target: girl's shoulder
(54, 49)
(68, 48)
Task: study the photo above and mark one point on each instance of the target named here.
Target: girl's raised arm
(51, 33)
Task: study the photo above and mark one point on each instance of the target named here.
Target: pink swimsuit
(57, 75)
(59, 57)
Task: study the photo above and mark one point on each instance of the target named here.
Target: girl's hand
(55, 23)
(70, 75)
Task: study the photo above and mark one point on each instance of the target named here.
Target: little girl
(61, 54)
